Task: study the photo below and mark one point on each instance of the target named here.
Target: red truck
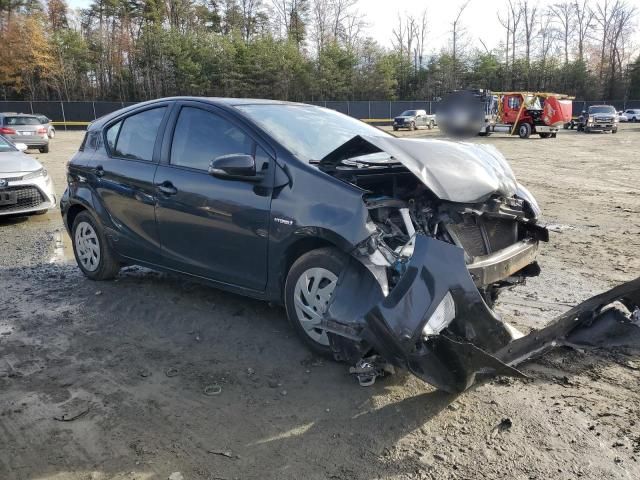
(526, 113)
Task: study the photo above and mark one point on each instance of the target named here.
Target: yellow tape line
(70, 124)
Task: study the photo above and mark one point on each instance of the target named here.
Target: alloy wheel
(87, 246)
(312, 293)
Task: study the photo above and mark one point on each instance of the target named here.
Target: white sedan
(632, 114)
(25, 185)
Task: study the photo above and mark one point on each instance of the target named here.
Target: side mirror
(239, 166)
(583, 112)
(21, 146)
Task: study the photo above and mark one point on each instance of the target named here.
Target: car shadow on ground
(142, 351)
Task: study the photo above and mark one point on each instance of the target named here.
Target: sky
(479, 19)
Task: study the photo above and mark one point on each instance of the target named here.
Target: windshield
(21, 121)
(6, 145)
(408, 113)
(603, 109)
(307, 131)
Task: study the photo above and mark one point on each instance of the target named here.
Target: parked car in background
(25, 185)
(27, 129)
(622, 117)
(632, 114)
(598, 118)
(46, 121)
(412, 119)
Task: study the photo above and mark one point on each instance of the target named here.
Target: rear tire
(308, 289)
(413, 126)
(44, 149)
(395, 129)
(91, 249)
(431, 124)
(524, 130)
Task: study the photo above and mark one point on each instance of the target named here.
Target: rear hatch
(23, 128)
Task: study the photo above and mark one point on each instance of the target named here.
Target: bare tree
(564, 13)
(548, 37)
(250, 10)
(421, 39)
(514, 13)
(604, 16)
(583, 22)
(529, 17)
(457, 31)
(404, 34)
(507, 25)
(336, 20)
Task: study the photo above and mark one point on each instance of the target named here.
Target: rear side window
(112, 135)
(200, 136)
(135, 136)
(22, 121)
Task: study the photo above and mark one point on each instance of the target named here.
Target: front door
(212, 227)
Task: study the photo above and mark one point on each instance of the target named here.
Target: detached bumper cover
(475, 343)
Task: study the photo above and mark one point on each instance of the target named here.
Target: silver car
(46, 121)
(25, 185)
(27, 129)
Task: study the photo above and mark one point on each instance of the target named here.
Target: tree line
(301, 50)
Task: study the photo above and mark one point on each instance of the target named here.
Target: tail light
(42, 130)
(7, 131)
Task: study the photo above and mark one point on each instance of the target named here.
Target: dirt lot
(131, 359)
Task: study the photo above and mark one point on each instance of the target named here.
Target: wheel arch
(72, 213)
(305, 243)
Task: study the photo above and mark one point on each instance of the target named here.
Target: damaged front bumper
(436, 324)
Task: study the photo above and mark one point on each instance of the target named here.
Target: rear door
(122, 176)
(212, 227)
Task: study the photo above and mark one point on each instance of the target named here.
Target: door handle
(167, 188)
(99, 171)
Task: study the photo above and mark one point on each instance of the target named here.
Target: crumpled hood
(17, 162)
(454, 171)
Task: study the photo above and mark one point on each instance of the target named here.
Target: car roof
(14, 114)
(226, 102)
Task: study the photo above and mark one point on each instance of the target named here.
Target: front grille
(604, 120)
(28, 197)
(483, 236)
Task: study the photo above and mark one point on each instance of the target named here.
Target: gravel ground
(107, 380)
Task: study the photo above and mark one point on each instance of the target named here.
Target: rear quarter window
(135, 136)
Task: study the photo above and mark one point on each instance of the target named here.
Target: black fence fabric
(365, 110)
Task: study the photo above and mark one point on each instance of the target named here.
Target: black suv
(275, 200)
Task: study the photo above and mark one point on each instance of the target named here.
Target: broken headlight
(442, 317)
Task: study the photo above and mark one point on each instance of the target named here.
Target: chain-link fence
(75, 114)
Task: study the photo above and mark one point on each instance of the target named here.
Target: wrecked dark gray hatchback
(386, 252)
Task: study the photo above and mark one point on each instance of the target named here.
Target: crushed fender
(435, 323)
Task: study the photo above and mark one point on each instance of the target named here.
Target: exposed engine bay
(418, 293)
(491, 233)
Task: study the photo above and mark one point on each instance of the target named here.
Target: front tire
(413, 126)
(544, 135)
(91, 249)
(524, 130)
(308, 289)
